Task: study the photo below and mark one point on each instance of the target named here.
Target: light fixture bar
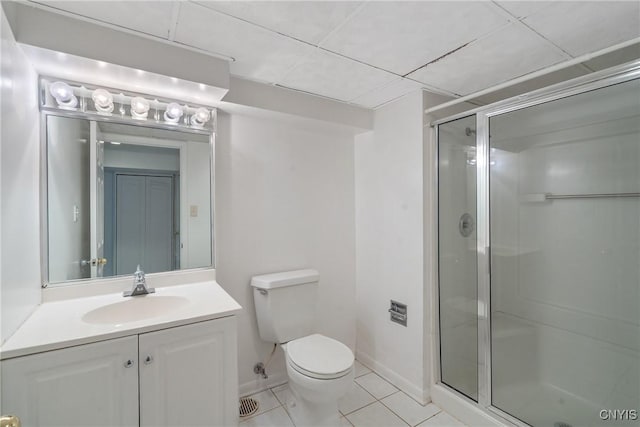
(65, 95)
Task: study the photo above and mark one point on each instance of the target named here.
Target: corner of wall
(389, 244)
(20, 186)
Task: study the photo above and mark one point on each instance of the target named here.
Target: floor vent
(561, 424)
(248, 406)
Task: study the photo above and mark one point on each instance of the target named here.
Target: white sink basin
(133, 309)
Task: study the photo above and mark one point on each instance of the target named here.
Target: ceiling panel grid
(370, 52)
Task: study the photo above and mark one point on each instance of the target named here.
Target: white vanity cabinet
(181, 376)
(88, 385)
(189, 375)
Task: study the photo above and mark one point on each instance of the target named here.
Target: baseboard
(461, 409)
(417, 393)
(260, 384)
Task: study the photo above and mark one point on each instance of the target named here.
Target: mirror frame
(45, 112)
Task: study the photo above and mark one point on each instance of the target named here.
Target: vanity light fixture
(63, 94)
(200, 117)
(139, 107)
(173, 112)
(103, 101)
(92, 100)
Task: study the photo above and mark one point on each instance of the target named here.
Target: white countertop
(59, 324)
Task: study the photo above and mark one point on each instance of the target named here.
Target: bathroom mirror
(121, 194)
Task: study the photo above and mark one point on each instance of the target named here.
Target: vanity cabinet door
(189, 375)
(87, 385)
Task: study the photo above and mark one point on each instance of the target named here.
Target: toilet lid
(320, 357)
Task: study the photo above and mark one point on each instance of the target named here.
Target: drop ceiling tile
(521, 9)
(333, 76)
(582, 27)
(511, 52)
(259, 54)
(308, 21)
(151, 17)
(388, 92)
(402, 36)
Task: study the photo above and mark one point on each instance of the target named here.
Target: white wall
(19, 195)
(68, 187)
(198, 252)
(284, 201)
(389, 243)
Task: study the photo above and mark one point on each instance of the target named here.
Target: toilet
(320, 369)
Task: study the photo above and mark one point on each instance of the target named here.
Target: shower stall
(539, 253)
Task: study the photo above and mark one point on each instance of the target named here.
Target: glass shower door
(565, 259)
(457, 264)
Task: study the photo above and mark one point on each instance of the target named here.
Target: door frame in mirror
(46, 112)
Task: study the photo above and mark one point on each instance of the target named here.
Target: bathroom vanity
(163, 359)
(126, 180)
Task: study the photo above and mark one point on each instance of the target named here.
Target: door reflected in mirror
(119, 195)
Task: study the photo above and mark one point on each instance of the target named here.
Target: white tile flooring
(372, 402)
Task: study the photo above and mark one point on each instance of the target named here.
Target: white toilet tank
(285, 304)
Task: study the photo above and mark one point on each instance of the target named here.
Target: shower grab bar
(550, 196)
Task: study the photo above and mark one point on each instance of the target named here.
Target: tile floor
(372, 402)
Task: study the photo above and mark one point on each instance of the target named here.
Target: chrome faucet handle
(138, 276)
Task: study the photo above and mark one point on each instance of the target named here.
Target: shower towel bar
(550, 196)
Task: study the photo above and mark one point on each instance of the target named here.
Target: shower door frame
(596, 80)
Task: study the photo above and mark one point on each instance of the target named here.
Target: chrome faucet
(139, 285)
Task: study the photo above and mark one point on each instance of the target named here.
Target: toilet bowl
(320, 371)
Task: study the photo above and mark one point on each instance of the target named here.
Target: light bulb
(173, 112)
(200, 117)
(102, 100)
(139, 107)
(63, 94)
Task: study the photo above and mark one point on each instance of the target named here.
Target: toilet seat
(320, 357)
